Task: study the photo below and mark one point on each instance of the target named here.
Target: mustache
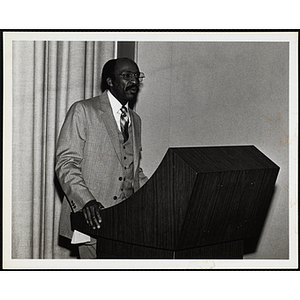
(130, 86)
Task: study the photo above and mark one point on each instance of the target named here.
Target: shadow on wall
(251, 244)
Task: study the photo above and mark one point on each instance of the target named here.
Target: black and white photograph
(164, 150)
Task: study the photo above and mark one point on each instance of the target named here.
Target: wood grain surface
(198, 197)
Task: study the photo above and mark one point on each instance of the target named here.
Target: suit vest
(127, 163)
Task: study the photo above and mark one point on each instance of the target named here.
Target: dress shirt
(116, 108)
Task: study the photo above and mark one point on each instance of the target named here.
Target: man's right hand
(91, 212)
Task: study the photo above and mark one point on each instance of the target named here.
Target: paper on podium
(79, 237)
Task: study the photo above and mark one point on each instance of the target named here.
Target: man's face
(124, 90)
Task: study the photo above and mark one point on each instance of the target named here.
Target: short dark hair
(107, 72)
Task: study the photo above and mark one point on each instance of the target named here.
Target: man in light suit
(99, 150)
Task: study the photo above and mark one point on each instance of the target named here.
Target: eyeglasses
(130, 76)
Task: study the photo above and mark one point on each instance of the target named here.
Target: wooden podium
(201, 203)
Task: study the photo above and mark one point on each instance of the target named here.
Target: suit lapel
(110, 124)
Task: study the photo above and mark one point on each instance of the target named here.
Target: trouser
(88, 250)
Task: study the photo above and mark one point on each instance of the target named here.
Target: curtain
(48, 76)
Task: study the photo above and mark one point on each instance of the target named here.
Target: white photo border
(245, 36)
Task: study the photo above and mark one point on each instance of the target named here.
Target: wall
(220, 93)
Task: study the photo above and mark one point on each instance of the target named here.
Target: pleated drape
(48, 76)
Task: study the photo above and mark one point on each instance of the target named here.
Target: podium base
(110, 249)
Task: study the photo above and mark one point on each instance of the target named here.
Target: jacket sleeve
(142, 177)
(69, 156)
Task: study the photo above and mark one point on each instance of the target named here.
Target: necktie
(124, 121)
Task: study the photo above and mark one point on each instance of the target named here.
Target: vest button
(115, 197)
(120, 178)
(124, 157)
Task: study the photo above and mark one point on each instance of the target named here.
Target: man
(99, 149)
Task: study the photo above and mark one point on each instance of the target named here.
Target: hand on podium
(91, 212)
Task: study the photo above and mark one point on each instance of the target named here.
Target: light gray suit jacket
(88, 157)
